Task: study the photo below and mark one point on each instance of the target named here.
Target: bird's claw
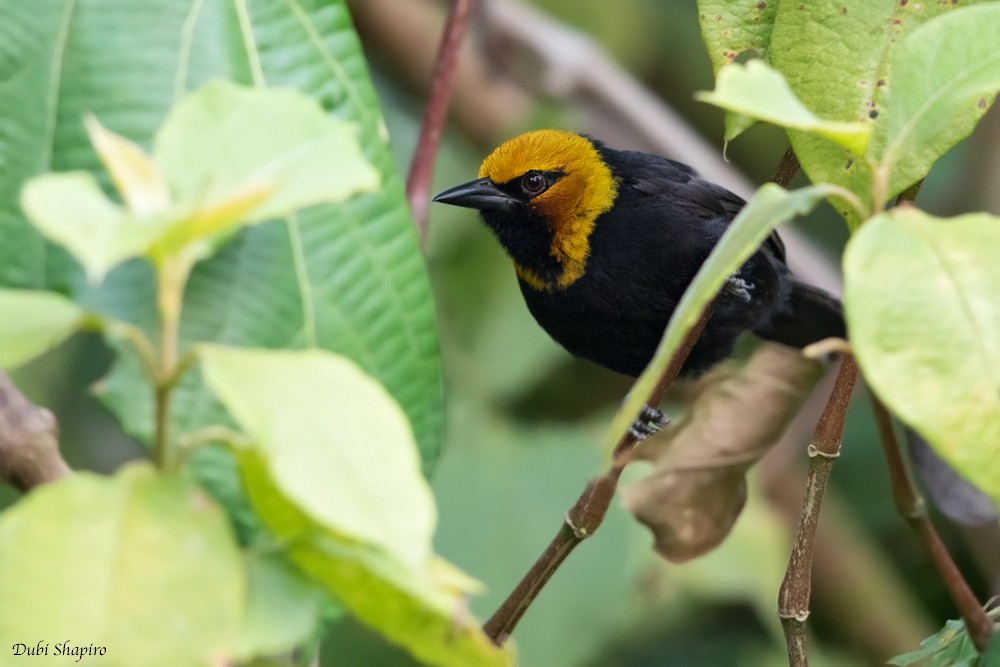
(738, 288)
(650, 421)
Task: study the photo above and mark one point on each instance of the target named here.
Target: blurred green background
(525, 419)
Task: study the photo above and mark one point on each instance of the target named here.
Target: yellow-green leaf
(33, 321)
(135, 175)
(760, 92)
(70, 209)
(924, 321)
(275, 150)
(335, 442)
(333, 471)
(140, 564)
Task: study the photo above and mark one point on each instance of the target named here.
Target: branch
(787, 168)
(418, 182)
(793, 597)
(911, 507)
(29, 440)
(587, 514)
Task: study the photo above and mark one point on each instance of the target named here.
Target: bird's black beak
(479, 194)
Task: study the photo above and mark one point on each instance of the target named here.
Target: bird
(604, 242)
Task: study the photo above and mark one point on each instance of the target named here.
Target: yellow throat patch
(570, 206)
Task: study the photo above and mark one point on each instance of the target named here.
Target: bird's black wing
(660, 177)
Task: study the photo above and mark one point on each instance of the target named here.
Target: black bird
(605, 242)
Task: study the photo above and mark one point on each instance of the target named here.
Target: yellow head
(541, 193)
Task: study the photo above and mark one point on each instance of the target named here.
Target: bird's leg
(650, 421)
(738, 287)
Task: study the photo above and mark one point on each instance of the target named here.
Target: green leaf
(231, 155)
(227, 140)
(32, 322)
(153, 576)
(283, 607)
(768, 208)
(333, 472)
(335, 443)
(422, 615)
(136, 177)
(944, 78)
(951, 646)
(839, 58)
(760, 92)
(730, 29)
(347, 277)
(924, 322)
(71, 210)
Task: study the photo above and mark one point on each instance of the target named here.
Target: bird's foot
(650, 421)
(738, 288)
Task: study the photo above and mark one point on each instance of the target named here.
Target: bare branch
(29, 440)
(793, 597)
(911, 507)
(418, 182)
(587, 514)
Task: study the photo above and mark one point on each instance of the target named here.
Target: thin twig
(911, 507)
(787, 168)
(29, 440)
(793, 597)
(588, 512)
(418, 181)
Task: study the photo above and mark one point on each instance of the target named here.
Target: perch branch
(587, 514)
(29, 440)
(793, 597)
(418, 181)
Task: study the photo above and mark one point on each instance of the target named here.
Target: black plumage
(643, 253)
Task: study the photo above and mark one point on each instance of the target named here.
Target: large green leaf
(924, 321)
(839, 57)
(770, 207)
(33, 321)
(153, 575)
(945, 76)
(332, 469)
(335, 443)
(345, 277)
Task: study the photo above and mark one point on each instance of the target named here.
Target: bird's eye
(533, 183)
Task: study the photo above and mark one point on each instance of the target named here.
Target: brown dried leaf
(697, 487)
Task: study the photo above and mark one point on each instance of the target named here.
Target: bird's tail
(814, 315)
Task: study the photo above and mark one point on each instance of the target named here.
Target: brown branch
(911, 507)
(587, 514)
(29, 440)
(787, 168)
(793, 597)
(418, 181)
